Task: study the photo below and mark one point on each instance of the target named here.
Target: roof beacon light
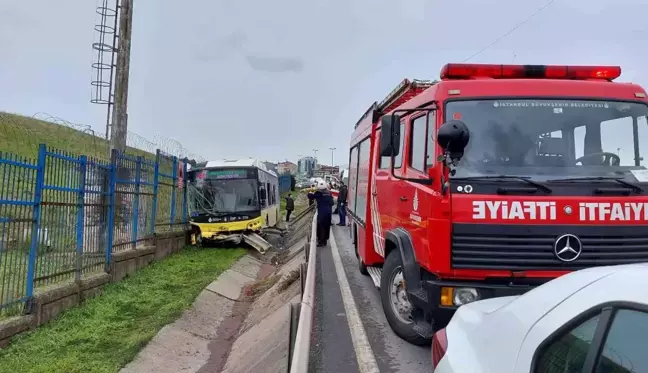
(469, 71)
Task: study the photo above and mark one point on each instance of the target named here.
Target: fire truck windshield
(548, 139)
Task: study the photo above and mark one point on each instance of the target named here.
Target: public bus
(230, 197)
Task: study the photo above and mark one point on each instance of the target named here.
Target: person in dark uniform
(324, 201)
(341, 203)
(290, 206)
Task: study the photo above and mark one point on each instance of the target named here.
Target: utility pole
(332, 150)
(119, 128)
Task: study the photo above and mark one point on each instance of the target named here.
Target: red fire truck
(493, 180)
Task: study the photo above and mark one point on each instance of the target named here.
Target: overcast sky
(276, 79)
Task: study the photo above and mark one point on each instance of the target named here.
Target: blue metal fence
(63, 215)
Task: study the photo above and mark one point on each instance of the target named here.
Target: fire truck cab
(494, 180)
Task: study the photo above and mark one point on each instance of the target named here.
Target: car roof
(534, 304)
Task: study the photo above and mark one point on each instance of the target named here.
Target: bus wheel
(199, 240)
(395, 302)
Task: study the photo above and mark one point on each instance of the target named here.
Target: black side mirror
(262, 194)
(390, 135)
(453, 137)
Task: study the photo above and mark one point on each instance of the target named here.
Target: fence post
(156, 179)
(36, 217)
(83, 161)
(185, 207)
(173, 191)
(138, 176)
(112, 185)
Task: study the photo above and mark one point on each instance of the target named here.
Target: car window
(624, 350)
(567, 353)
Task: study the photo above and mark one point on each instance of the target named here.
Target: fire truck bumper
(446, 296)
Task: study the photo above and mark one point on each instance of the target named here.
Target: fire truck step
(420, 294)
(375, 273)
(424, 329)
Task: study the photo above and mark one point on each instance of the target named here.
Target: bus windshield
(223, 196)
(545, 139)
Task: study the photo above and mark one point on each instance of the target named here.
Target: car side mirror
(390, 135)
(453, 137)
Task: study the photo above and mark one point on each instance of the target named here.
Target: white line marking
(366, 359)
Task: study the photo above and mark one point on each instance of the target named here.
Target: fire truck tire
(392, 268)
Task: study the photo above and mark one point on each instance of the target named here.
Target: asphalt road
(336, 344)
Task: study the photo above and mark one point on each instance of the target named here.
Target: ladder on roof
(404, 92)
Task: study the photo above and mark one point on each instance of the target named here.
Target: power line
(509, 32)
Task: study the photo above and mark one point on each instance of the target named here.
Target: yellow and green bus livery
(230, 197)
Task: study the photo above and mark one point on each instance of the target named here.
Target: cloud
(275, 65)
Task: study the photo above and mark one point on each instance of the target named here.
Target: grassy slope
(106, 332)
(21, 136)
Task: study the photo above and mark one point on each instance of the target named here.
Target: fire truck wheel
(395, 302)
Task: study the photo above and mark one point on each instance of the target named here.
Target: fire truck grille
(526, 247)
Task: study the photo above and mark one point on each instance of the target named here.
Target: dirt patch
(259, 287)
(228, 329)
(288, 280)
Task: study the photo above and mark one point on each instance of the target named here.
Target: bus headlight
(465, 295)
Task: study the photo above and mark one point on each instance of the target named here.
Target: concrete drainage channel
(256, 317)
(275, 337)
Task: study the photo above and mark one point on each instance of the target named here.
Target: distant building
(323, 170)
(286, 168)
(306, 167)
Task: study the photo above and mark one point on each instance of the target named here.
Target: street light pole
(332, 150)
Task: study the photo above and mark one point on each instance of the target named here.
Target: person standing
(324, 201)
(290, 206)
(342, 203)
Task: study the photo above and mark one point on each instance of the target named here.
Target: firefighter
(324, 201)
(341, 203)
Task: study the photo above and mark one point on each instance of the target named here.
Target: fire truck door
(386, 194)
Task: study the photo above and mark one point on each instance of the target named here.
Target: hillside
(21, 136)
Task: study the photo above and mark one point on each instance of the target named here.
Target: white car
(594, 320)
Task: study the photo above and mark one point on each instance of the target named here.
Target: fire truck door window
(430, 153)
(398, 160)
(363, 178)
(383, 162)
(417, 143)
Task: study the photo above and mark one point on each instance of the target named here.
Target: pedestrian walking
(324, 201)
(290, 206)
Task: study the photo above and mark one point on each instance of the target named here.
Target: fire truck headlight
(465, 295)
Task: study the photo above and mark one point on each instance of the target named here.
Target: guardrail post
(112, 186)
(185, 207)
(138, 176)
(156, 180)
(173, 192)
(36, 217)
(83, 161)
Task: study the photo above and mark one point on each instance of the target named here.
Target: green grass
(107, 332)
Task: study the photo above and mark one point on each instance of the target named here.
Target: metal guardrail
(300, 355)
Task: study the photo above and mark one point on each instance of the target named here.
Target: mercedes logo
(568, 248)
